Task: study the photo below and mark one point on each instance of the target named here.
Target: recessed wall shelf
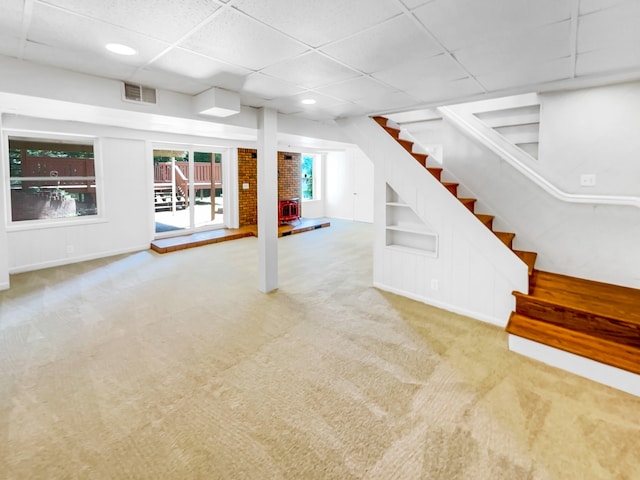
(404, 229)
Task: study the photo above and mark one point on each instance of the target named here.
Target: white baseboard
(445, 306)
(69, 260)
(584, 367)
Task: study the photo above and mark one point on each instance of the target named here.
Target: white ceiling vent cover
(138, 93)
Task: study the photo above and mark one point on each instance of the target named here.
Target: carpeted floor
(175, 366)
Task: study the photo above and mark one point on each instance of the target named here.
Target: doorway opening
(188, 190)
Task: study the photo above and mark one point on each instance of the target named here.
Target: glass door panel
(171, 190)
(207, 185)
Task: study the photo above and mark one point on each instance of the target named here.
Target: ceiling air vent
(138, 93)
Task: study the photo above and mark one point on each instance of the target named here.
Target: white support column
(4, 247)
(267, 200)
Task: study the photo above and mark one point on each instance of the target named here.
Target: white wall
(349, 185)
(593, 130)
(4, 245)
(586, 131)
(474, 272)
(124, 225)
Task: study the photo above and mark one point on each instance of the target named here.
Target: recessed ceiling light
(308, 101)
(120, 49)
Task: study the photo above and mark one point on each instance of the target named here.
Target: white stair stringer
(473, 272)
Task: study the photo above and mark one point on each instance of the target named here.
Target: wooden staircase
(591, 319)
(529, 258)
(594, 320)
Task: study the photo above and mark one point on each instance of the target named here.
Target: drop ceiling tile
(411, 74)
(613, 27)
(269, 87)
(9, 46)
(411, 4)
(439, 92)
(234, 38)
(316, 23)
(537, 45)
(84, 62)
(356, 88)
(152, 18)
(590, 6)
(607, 60)
(529, 76)
(196, 66)
(310, 70)
(392, 42)
(59, 29)
(11, 18)
(381, 103)
(462, 23)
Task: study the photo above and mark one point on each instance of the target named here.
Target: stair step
(579, 319)
(380, 120)
(421, 158)
(470, 203)
(506, 238)
(580, 343)
(603, 299)
(436, 172)
(486, 219)
(394, 132)
(452, 187)
(527, 257)
(407, 144)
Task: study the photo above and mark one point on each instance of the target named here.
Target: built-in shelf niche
(405, 231)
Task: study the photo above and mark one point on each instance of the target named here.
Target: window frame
(39, 135)
(315, 176)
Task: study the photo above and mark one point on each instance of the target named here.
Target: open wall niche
(405, 230)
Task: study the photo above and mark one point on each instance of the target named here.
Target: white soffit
(217, 102)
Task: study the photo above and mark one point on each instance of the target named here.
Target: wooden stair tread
(603, 299)
(436, 172)
(527, 257)
(486, 219)
(469, 203)
(605, 351)
(506, 237)
(420, 157)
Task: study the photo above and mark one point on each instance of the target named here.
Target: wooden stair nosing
(619, 328)
(601, 350)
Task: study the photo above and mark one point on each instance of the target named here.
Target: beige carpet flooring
(175, 366)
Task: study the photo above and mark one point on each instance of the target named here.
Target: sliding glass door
(187, 189)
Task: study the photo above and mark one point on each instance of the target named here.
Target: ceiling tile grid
(354, 57)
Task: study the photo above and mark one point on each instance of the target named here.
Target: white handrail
(475, 131)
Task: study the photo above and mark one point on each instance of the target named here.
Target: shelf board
(415, 251)
(418, 229)
(397, 204)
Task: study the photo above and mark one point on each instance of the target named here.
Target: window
(51, 178)
(309, 176)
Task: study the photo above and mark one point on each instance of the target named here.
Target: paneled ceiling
(352, 56)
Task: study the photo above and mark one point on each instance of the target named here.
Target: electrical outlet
(435, 284)
(70, 249)
(588, 180)
(245, 186)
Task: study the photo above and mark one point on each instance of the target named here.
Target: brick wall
(248, 199)
(288, 182)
